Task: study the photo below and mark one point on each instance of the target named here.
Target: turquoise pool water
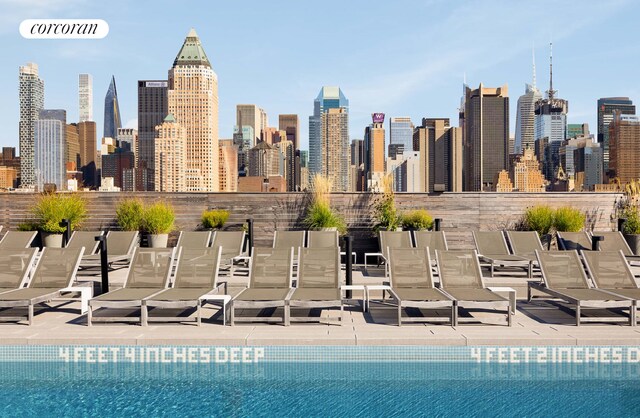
(319, 389)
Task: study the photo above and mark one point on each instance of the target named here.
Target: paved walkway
(541, 322)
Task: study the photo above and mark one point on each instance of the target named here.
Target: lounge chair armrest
(223, 285)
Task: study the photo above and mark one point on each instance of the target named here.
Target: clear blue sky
(403, 58)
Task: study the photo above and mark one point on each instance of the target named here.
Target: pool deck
(539, 323)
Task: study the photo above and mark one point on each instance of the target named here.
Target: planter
(634, 242)
(157, 240)
(51, 240)
(332, 228)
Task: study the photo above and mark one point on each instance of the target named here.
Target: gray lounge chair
(318, 282)
(86, 239)
(461, 278)
(120, 247)
(54, 272)
(578, 241)
(525, 243)
(290, 239)
(232, 243)
(412, 284)
(269, 284)
(17, 239)
(390, 239)
(148, 275)
(196, 275)
(15, 266)
(194, 239)
(492, 249)
(564, 278)
(610, 272)
(322, 239)
(614, 241)
(433, 240)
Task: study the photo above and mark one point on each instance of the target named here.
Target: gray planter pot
(51, 240)
(158, 240)
(634, 242)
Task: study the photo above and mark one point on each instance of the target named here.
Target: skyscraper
(334, 137)
(624, 147)
(439, 148)
(31, 95)
(486, 136)
(328, 98)
(291, 125)
(193, 101)
(288, 158)
(85, 97)
(606, 107)
(88, 152)
(525, 118)
(264, 161)
(49, 149)
(112, 119)
(152, 109)
(551, 123)
(400, 133)
(228, 166)
(171, 151)
(253, 116)
(374, 144)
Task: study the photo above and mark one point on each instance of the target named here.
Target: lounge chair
(461, 278)
(17, 239)
(610, 272)
(232, 243)
(412, 283)
(54, 272)
(15, 265)
(148, 275)
(578, 241)
(433, 240)
(614, 241)
(290, 239)
(322, 239)
(525, 243)
(318, 282)
(390, 239)
(564, 278)
(194, 239)
(269, 284)
(492, 249)
(196, 275)
(120, 247)
(86, 239)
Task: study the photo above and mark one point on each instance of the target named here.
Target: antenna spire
(551, 91)
(533, 57)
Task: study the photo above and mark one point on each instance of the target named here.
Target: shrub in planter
(50, 209)
(568, 219)
(385, 209)
(129, 214)
(417, 220)
(539, 218)
(158, 218)
(215, 218)
(320, 215)
(631, 225)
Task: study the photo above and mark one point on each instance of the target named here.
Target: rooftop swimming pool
(320, 381)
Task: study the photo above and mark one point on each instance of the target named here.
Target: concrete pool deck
(539, 323)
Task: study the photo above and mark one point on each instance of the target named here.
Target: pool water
(319, 389)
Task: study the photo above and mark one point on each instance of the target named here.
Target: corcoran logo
(64, 28)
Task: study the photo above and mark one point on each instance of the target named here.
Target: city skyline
(427, 84)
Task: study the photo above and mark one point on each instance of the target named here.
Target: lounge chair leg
(399, 314)
(30, 314)
(491, 269)
(89, 316)
(287, 314)
(453, 313)
(509, 315)
(528, 293)
(143, 315)
(199, 314)
(341, 313)
(232, 314)
(578, 314)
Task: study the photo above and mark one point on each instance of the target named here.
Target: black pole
(621, 222)
(436, 224)
(250, 235)
(595, 242)
(348, 266)
(66, 235)
(104, 264)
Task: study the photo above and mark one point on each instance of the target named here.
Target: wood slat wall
(461, 212)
